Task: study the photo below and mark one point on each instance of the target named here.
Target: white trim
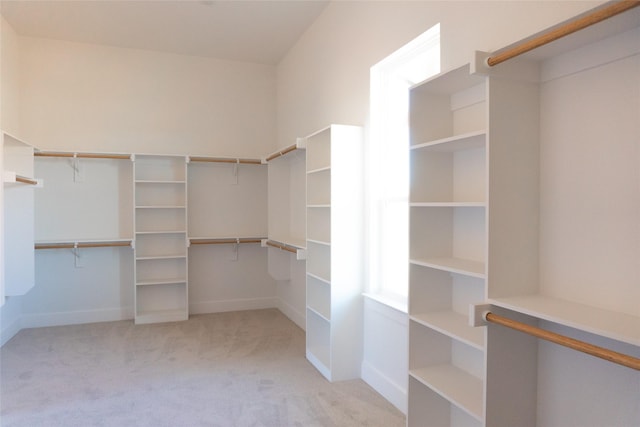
(221, 306)
(39, 320)
(10, 330)
(294, 315)
(385, 386)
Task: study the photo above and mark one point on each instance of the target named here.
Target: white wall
(325, 79)
(90, 97)
(9, 79)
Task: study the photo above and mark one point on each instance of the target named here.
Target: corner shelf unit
(522, 200)
(334, 251)
(161, 242)
(18, 225)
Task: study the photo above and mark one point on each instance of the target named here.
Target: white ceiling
(259, 31)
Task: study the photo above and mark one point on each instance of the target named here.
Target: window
(388, 162)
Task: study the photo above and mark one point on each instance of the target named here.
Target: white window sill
(397, 303)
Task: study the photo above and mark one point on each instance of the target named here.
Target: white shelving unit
(161, 242)
(334, 251)
(524, 199)
(448, 237)
(18, 227)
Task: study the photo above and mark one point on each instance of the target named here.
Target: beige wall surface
(95, 98)
(325, 78)
(9, 79)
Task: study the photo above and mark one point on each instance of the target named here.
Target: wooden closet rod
(594, 350)
(80, 245)
(282, 152)
(283, 247)
(569, 28)
(224, 241)
(26, 180)
(226, 160)
(84, 155)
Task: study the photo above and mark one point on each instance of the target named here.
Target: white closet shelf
(224, 240)
(453, 265)
(319, 242)
(299, 145)
(453, 325)
(317, 170)
(161, 316)
(82, 243)
(77, 155)
(149, 181)
(450, 82)
(162, 207)
(457, 386)
(610, 324)
(322, 279)
(167, 256)
(320, 205)
(164, 281)
(451, 204)
(162, 232)
(232, 160)
(318, 313)
(295, 246)
(466, 141)
(10, 178)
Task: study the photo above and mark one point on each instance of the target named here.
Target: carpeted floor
(228, 369)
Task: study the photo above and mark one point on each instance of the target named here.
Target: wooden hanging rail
(74, 245)
(225, 160)
(25, 180)
(564, 30)
(282, 152)
(204, 241)
(83, 155)
(282, 246)
(593, 350)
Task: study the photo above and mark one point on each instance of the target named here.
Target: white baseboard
(383, 385)
(9, 331)
(220, 306)
(75, 317)
(293, 314)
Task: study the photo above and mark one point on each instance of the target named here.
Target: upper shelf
(290, 245)
(610, 324)
(299, 145)
(467, 141)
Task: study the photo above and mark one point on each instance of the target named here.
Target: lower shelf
(159, 316)
(457, 386)
(167, 302)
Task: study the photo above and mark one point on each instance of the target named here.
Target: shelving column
(448, 238)
(334, 251)
(161, 282)
(18, 227)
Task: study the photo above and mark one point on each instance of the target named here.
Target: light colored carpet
(228, 369)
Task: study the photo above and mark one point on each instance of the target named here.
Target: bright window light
(388, 162)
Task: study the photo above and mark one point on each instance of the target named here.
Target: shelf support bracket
(78, 262)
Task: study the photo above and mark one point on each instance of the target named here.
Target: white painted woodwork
(161, 281)
(18, 212)
(334, 251)
(553, 231)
